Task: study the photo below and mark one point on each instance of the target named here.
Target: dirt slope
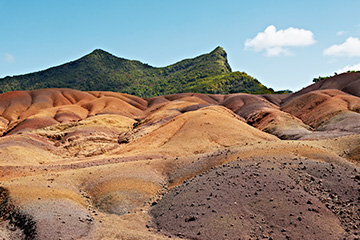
(102, 165)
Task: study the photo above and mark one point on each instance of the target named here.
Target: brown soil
(266, 198)
(91, 165)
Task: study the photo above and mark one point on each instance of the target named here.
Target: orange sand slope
(104, 165)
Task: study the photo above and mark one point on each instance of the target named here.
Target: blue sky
(284, 44)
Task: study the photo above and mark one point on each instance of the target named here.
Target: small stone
(190, 219)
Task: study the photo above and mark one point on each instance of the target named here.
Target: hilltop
(102, 71)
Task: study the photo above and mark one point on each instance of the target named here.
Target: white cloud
(9, 58)
(276, 51)
(350, 48)
(278, 42)
(355, 67)
(341, 33)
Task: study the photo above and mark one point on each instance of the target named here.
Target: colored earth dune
(106, 165)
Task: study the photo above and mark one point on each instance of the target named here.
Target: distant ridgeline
(101, 71)
(335, 74)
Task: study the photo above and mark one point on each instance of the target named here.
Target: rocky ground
(266, 198)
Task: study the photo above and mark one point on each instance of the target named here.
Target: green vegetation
(322, 78)
(101, 71)
(233, 82)
(287, 91)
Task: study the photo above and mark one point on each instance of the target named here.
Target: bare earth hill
(105, 165)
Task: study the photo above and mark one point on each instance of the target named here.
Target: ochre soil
(104, 165)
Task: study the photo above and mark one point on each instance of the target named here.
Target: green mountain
(101, 71)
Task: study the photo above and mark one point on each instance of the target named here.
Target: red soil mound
(40, 108)
(264, 113)
(245, 104)
(346, 82)
(317, 107)
(287, 117)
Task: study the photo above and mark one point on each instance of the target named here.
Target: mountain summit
(102, 71)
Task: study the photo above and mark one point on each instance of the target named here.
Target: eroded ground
(103, 165)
